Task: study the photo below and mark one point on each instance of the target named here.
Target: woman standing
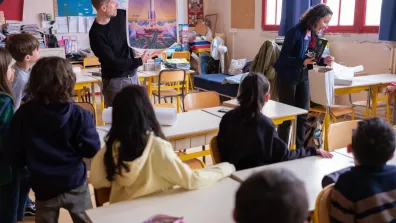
(293, 65)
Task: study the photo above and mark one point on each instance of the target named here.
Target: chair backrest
(340, 134)
(322, 206)
(164, 55)
(200, 100)
(164, 105)
(102, 196)
(168, 76)
(214, 151)
(183, 54)
(87, 106)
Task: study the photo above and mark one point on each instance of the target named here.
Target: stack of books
(34, 30)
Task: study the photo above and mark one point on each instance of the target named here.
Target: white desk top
(344, 152)
(272, 109)
(310, 170)
(85, 79)
(380, 78)
(210, 205)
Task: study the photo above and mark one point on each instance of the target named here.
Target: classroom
(190, 111)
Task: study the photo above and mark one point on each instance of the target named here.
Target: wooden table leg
(326, 124)
(94, 102)
(375, 99)
(294, 134)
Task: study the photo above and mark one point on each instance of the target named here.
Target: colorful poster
(195, 12)
(152, 23)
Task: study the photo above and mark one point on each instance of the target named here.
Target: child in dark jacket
(247, 138)
(51, 136)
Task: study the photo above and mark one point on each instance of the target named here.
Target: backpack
(313, 133)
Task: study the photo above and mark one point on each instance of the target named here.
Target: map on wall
(152, 23)
(80, 7)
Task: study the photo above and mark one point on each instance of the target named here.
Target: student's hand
(309, 61)
(329, 60)
(145, 57)
(324, 154)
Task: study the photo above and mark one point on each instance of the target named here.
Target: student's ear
(267, 97)
(27, 57)
(349, 148)
(234, 216)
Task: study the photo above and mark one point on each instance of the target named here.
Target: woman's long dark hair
(251, 95)
(133, 118)
(5, 61)
(314, 14)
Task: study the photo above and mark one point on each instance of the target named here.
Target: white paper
(89, 21)
(343, 72)
(73, 24)
(321, 84)
(82, 24)
(61, 23)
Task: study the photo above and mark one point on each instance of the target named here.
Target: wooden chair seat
(380, 104)
(166, 93)
(336, 110)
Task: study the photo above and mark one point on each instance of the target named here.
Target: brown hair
(21, 45)
(98, 3)
(314, 14)
(5, 61)
(51, 81)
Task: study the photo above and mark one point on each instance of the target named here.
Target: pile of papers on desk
(177, 63)
(343, 75)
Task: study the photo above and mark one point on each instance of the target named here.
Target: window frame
(264, 25)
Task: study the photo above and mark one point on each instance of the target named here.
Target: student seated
(137, 159)
(247, 138)
(271, 196)
(51, 135)
(367, 193)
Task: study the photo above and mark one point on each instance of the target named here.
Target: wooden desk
(192, 129)
(310, 170)
(279, 113)
(344, 152)
(210, 205)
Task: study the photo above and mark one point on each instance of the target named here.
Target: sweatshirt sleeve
(14, 150)
(98, 171)
(172, 169)
(281, 151)
(6, 112)
(89, 142)
(285, 56)
(104, 52)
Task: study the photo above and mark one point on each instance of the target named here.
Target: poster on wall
(152, 24)
(13, 9)
(80, 7)
(195, 12)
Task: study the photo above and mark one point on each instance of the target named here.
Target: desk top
(272, 109)
(380, 78)
(85, 79)
(310, 170)
(211, 205)
(344, 152)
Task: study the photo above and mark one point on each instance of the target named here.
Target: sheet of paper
(73, 24)
(89, 21)
(82, 24)
(61, 23)
(343, 72)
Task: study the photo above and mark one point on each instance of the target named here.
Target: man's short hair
(373, 142)
(98, 3)
(271, 196)
(20, 45)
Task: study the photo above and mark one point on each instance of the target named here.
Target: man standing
(108, 40)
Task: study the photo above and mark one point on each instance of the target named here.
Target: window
(361, 16)
(272, 11)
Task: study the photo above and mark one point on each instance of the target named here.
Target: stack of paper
(321, 84)
(12, 28)
(343, 75)
(34, 30)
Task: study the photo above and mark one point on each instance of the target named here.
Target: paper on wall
(73, 24)
(81, 24)
(61, 25)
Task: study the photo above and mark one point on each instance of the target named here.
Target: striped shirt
(365, 194)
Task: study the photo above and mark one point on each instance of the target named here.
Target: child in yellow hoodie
(140, 161)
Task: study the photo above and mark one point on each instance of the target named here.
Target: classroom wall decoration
(79, 7)
(195, 12)
(13, 9)
(152, 23)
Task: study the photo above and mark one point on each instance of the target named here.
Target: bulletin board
(242, 14)
(78, 7)
(13, 9)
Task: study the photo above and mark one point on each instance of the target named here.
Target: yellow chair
(164, 55)
(90, 61)
(171, 83)
(214, 151)
(200, 100)
(336, 111)
(164, 105)
(383, 103)
(187, 56)
(322, 206)
(89, 107)
(340, 134)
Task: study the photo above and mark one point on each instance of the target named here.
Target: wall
(32, 8)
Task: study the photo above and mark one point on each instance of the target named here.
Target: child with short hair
(24, 48)
(367, 192)
(271, 196)
(247, 138)
(51, 135)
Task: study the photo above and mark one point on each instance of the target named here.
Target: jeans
(295, 93)
(112, 86)
(14, 195)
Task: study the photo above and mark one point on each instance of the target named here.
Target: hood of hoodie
(136, 166)
(49, 118)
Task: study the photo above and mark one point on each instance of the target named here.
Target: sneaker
(30, 209)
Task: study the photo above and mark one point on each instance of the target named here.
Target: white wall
(32, 9)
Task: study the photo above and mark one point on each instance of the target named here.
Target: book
(318, 49)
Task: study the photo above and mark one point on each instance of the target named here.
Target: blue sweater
(51, 140)
(365, 194)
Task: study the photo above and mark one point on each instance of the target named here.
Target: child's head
(132, 119)
(373, 142)
(253, 93)
(6, 71)
(24, 48)
(271, 196)
(51, 81)
(106, 7)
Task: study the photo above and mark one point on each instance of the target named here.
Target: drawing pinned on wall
(81, 7)
(152, 24)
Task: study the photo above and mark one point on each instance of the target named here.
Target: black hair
(251, 95)
(271, 196)
(133, 119)
(373, 142)
(314, 14)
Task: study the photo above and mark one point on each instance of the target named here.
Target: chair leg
(204, 158)
(353, 115)
(178, 104)
(388, 112)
